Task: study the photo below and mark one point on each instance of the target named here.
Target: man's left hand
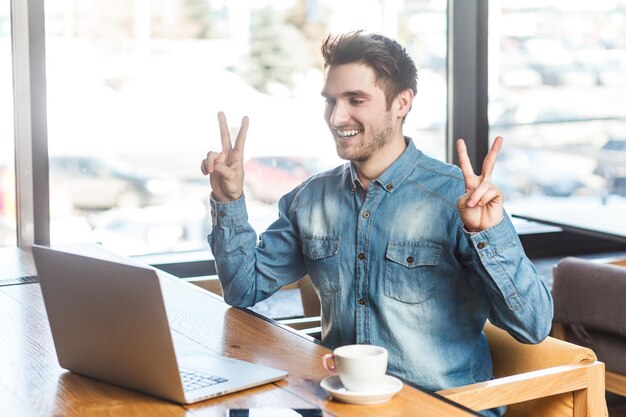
(481, 206)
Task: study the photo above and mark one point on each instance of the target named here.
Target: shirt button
(361, 256)
(481, 245)
(389, 187)
(221, 213)
(366, 214)
(361, 301)
(410, 260)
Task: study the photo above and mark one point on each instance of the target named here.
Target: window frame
(31, 131)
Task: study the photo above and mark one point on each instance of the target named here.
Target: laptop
(108, 321)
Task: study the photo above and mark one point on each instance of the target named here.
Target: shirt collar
(397, 171)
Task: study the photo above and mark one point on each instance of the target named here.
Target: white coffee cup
(360, 367)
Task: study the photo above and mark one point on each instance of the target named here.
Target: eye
(330, 102)
(356, 101)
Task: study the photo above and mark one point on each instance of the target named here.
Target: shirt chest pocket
(322, 262)
(411, 271)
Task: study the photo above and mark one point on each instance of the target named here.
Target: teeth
(346, 133)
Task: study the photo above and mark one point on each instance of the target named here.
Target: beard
(370, 144)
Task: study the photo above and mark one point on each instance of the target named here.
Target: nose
(339, 115)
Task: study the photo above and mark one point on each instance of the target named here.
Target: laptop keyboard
(195, 380)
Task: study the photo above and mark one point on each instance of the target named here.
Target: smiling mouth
(347, 133)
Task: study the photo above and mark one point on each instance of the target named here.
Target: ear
(404, 101)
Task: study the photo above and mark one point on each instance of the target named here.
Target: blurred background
(134, 87)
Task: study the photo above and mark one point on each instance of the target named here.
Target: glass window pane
(557, 77)
(134, 89)
(8, 235)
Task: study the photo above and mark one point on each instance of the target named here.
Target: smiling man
(405, 251)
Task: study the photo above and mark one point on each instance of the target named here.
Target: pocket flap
(413, 254)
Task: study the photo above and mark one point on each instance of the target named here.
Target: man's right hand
(225, 169)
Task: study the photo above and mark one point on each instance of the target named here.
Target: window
(134, 89)
(8, 231)
(557, 73)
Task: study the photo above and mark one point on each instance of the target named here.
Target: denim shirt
(393, 266)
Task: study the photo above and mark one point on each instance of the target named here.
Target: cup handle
(326, 359)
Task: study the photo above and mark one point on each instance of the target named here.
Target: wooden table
(33, 384)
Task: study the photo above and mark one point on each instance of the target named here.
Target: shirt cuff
(490, 241)
(229, 213)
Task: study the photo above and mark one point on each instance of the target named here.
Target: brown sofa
(590, 310)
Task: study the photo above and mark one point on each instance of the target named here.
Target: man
(405, 251)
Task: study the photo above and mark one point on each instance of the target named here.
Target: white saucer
(335, 388)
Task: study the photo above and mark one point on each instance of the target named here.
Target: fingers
(223, 161)
(224, 170)
(465, 164)
(241, 136)
(492, 155)
(488, 164)
(483, 195)
(208, 164)
(224, 133)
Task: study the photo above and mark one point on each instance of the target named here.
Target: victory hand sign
(481, 206)
(226, 168)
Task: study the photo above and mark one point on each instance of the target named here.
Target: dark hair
(395, 70)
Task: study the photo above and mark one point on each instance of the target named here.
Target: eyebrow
(353, 93)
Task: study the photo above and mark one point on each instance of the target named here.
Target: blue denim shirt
(394, 268)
